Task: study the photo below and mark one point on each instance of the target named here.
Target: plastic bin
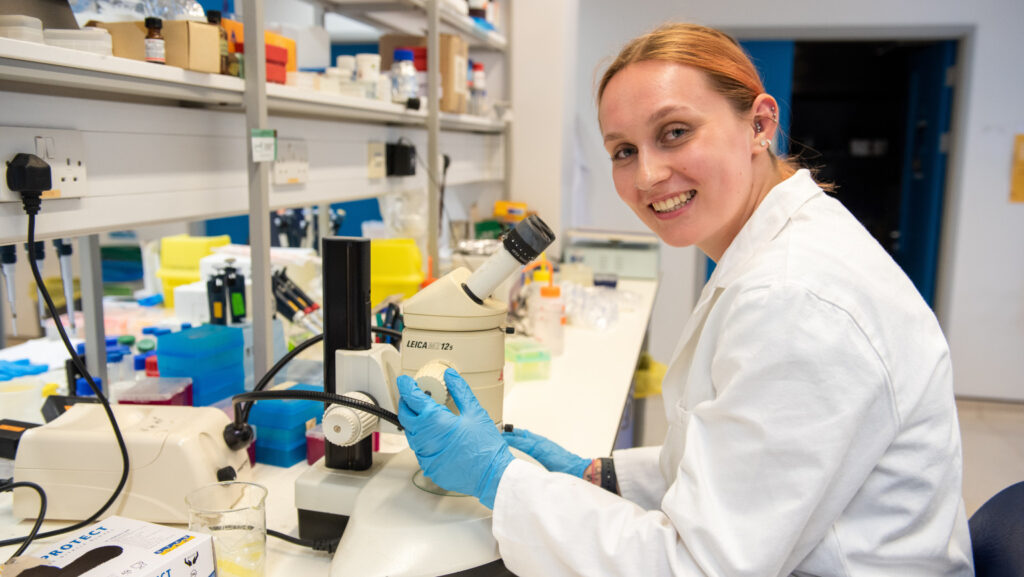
(179, 260)
(396, 267)
(314, 444)
(200, 350)
(21, 27)
(286, 418)
(211, 394)
(281, 455)
(158, 391)
(530, 360)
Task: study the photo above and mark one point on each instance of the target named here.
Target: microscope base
(395, 528)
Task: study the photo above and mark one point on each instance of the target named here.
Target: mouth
(674, 203)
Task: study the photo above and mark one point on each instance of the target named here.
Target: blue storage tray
(287, 413)
(282, 435)
(201, 342)
(207, 395)
(213, 378)
(281, 455)
(220, 360)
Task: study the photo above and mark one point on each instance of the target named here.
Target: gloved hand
(550, 454)
(463, 453)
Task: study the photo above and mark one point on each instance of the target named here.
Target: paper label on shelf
(1017, 174)
(264, 145)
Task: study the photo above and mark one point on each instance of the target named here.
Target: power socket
(376, 164)
(63, 150)
(292, 164)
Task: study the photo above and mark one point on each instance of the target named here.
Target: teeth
(673, 203)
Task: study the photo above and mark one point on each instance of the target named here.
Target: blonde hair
(718, 55)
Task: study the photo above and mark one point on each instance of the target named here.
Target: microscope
(392, 520)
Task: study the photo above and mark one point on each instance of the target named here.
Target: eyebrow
(653, 119)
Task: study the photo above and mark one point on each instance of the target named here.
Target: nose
(652, 170)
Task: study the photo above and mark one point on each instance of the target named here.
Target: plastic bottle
(478, 91)
(368, 73)
(155, 48)
(549, 319)
(404, 83)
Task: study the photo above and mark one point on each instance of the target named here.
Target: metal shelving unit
(232, 184)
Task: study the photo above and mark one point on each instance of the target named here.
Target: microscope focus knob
(430, 378)
(346, 426)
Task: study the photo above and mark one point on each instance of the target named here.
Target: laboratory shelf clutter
(163, 144)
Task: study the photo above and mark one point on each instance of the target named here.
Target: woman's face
(682, 158)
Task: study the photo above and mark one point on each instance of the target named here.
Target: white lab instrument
(450, 323)
(172, 450)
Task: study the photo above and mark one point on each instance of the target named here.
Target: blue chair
(997, 534)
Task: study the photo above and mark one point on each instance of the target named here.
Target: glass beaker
(234, 513)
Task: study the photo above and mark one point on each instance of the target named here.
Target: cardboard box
(189, 45)
(454, 60)
(128, 39)
(192, 45)
(121, 546)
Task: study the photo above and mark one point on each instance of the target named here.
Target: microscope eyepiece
(528, 239)
(522, 244)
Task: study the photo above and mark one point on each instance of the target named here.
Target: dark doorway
(874, 117)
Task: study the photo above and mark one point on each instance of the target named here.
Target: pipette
(38, 253)
(8, 257)
(66, 278)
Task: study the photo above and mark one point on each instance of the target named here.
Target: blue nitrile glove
(464, 452)
(550, 454)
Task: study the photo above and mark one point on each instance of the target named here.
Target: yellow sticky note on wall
(1017, 172)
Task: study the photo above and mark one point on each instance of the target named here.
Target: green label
(237, 305)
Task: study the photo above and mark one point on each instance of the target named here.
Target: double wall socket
(63, 150)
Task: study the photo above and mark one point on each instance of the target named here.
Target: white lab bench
(579, 406)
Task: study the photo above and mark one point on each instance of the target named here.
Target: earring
(766, 142)
(775, 118)
(757, 126)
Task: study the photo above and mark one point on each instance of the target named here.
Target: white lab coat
(812, 428)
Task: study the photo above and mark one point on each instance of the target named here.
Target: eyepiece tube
(520, 246)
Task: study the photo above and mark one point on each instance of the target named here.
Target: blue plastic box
(204, 395)
(281, 455)
(287, 413)
(200, 350)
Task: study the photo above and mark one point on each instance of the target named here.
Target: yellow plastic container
(179, 260)
(396, 267)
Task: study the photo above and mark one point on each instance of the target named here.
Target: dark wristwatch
(609, 481)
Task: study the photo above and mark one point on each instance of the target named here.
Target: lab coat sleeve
(803, 411)
(640, 478)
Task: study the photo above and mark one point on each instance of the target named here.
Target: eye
(674, 133)
(623, 153)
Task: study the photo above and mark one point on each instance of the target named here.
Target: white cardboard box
(145, 550)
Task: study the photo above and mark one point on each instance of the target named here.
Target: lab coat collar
(768, 220)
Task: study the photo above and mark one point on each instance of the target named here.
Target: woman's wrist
(601, 472)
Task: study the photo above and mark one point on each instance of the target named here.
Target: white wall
(980, 300)
(543, 40)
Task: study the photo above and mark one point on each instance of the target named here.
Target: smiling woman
(811, 423)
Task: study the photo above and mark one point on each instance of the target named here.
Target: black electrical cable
(29, 204)
(39, 519)
(272, 372)
(321, 396)
(242, 412)
(328, 545)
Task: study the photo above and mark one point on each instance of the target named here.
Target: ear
(766, 121)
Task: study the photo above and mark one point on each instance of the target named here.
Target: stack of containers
(211, 355)
(179, 260)
(281, 427)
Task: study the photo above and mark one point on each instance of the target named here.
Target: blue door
(929, 108)
(774, 60)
